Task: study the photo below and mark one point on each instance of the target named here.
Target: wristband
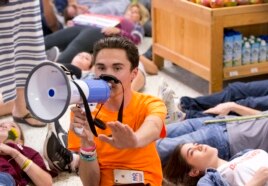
(28, 167)
(26, 163)
(89, 149)
(14, 157)
(88, 158)
(88, 153)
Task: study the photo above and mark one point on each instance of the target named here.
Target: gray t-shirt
(248, 134)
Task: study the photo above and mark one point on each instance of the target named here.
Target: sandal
(23, 120)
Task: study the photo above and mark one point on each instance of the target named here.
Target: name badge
(128, 176)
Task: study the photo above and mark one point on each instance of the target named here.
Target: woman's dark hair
(177, 169)
(118, 42)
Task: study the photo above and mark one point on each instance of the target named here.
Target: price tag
(254, 70)
(233, 73)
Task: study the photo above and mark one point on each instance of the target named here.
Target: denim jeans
(193, 130)
(6, 179)
(253, 94)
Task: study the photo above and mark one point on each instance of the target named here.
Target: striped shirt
(21, 44)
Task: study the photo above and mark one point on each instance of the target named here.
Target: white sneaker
(53, 54)
(162, 87)
(173, 113)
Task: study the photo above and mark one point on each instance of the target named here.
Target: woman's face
(5, 127)
(199, 156)
(133, 14)
(83, 61)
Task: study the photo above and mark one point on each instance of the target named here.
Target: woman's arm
(225, 108)
(36, 174)
(259, 178)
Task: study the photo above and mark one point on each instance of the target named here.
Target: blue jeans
(253, 94)
(6, 179)
(193, 130)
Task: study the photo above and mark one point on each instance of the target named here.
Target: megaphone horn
(49, 92)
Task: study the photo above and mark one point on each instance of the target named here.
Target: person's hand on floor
(110, 31)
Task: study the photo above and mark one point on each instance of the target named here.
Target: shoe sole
(50, 163)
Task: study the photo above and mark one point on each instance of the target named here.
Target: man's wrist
(87, 143)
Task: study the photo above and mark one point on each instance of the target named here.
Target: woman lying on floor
(19, 164)
(199, 164)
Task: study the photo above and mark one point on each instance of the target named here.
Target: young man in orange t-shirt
(125, 152)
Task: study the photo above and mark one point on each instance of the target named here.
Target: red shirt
(14, 169)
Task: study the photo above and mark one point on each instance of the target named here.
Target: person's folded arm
(260, 178)
(226, 108)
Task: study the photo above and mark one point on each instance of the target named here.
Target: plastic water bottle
(246, 53)
(262, 52)
(255, 46)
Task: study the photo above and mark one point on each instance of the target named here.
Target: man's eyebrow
(118, 64)
(99, 64)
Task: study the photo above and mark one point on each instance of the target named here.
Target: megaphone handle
(87, 110)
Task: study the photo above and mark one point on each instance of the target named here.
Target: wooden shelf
(191, 36)
(245, 71)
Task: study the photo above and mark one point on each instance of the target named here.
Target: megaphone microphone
(49, 91)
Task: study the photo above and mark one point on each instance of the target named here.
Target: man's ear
(134, 73)
(194, 172)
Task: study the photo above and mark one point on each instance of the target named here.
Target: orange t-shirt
(145, 159)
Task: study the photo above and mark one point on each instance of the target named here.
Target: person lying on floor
(19, 164)
(229, 134)
(194, 164)
(78, 38)
(251, 94)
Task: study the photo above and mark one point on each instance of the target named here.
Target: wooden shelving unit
(191, 36)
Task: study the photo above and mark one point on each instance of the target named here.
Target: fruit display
(226, 3)
(216, 3)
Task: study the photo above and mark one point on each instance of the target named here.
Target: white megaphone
(49, 91)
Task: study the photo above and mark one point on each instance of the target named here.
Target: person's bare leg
(138, 82)
(6, 108)
(148, 65)
(19, 109)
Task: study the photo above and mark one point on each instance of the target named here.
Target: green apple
(230, 2)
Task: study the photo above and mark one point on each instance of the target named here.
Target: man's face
(115, 62)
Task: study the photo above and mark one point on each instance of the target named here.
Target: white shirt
(240, 170)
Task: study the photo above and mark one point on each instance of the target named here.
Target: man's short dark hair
(118, 42)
